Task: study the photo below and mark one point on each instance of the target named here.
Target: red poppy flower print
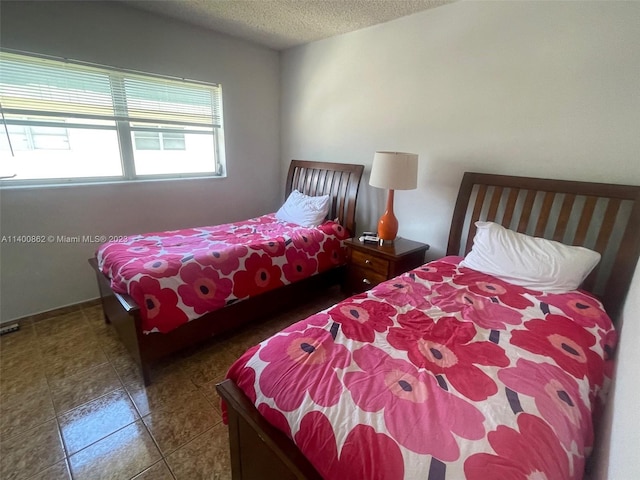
(308, 360)
(403, 291)
(335, 230)
(205, 291)
(488, 286)
(159, 267)
(298, 265)
(581, 308)
(474, 308)
(320, 320)
(408, 397)
(275, 418)
(241, 230)
(361, 319)
(332, 255)
(106, 255)
(557, 398)
(365, 454)
(243, 375)
(231, 239)
(158, 305)
(533, 452)
(446, 347)
(225, 259)
(568, 344)
(259, 275)
(180, 244)
(307, 240)
(436, 271)
(140, 249)
(274, 247)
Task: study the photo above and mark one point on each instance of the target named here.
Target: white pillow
(530, 262)
(304, 210)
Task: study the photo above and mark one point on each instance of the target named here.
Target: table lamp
(393, 171)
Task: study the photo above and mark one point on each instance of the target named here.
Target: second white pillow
(530, 262)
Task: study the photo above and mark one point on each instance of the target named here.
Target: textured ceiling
(281, 24)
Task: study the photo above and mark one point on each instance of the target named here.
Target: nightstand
(369, 264)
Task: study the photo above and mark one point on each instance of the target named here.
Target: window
(38, 138)
(159, 141)
(65, 121)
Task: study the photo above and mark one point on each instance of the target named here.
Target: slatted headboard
(339, 180)
(599, 216)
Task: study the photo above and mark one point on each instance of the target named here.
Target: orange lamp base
(388, 223)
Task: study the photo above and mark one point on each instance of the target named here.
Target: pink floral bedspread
(440, 373)
(180, 275)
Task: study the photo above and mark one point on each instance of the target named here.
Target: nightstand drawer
(362, 279)
(379, 266)
(369, 264)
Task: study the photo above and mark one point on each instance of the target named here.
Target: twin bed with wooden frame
(554, 418)
(339, 181)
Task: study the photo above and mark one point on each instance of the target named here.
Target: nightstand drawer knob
(367, 261)
(366, 281)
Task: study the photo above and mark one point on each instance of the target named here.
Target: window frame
(124, 126)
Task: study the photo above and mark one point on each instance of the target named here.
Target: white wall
(617, 456)
(545, 89)
(625, 428)
(36, 278)
(548, 89)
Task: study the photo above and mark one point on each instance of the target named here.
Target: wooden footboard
(259, 451)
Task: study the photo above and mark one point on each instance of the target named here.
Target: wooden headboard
(602, 217)
(339, 180)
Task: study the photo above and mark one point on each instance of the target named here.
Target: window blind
(35, 86)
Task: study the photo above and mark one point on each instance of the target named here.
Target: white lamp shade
(394, 171)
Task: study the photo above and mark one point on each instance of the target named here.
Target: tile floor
(73, 404)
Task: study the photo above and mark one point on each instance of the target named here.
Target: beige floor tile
(173, 427)
(64, 329)
(211, 394)
(127, 369)
(18, 356)
(25, 411)
(165, 392)
(109, 341)
(95, 420)
(58, 342)
(70, 392)
(247, 338)
(158, 471)
(60, 325)
(22, 383)
(31, 452)
(94, 315)
(121, 455)
(17, 340)
(209, 364)
(206, 456)
(73, 360)
(60, 471)
(114, 348)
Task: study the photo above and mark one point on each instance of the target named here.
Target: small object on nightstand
(369, 264)
(368, 237)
